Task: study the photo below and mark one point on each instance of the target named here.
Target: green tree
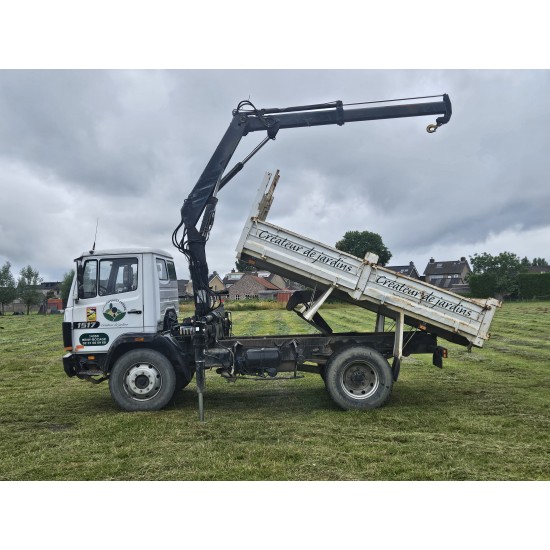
(359, 243)
(8, 290)
(525, 261)
(65, 287)
(243, 266)
(496, 275)
(539, 262)
(28, 287)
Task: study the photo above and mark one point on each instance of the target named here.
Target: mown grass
(484, 416)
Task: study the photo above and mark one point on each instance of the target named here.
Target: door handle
(136, 311)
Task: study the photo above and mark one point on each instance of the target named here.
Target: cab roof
(126, 251)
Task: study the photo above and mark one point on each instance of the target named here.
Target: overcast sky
(127, 147)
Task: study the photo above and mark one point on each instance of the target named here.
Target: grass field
(484, 416)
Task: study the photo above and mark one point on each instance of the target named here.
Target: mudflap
(395, 368)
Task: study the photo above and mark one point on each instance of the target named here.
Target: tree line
(27, 287)
(505, 275)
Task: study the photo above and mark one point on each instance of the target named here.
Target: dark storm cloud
(128, 146)
(95, 129)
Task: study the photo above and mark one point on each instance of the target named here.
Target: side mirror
(79, 287)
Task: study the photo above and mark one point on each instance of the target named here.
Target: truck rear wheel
(142, 380)
(358, 378)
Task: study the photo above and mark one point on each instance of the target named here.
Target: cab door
(110, 302)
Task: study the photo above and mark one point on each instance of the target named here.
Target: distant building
(251, 286)
(408, 270)
(185, 287)
(232, 278)
(215, 282)
(274, 279)
(449, 274)
(53, 287)
(51, 292)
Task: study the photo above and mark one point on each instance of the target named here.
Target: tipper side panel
(321, 266)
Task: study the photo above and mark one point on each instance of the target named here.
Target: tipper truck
(121, 321)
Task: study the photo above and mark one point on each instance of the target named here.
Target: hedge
(534, 285)
(482, 286)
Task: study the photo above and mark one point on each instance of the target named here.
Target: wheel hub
(359, 380)
(143, 381)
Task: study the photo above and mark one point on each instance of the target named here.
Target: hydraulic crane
(246, 119)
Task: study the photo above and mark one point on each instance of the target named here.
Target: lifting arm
(246, 118)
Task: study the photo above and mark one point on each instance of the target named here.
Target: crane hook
(432, 128)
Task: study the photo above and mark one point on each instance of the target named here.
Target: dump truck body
(361, 281)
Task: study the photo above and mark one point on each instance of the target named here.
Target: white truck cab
(117, 296)
(120, 291)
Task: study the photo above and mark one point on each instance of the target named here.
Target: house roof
(233, 277)
(264, 282)
(260, 281)
(275, 277)
(446, 268)
(409, 270)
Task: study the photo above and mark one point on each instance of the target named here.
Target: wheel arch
(132, 341)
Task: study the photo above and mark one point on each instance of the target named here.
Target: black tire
(142, 380)
(358, 378)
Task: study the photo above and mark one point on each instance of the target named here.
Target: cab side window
(161, 269)
(118, 276)
(171, 270)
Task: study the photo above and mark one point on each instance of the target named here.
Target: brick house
(450, 274)
(251, 286)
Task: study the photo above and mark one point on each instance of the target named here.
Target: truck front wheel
(358, 377)
(142, 380)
